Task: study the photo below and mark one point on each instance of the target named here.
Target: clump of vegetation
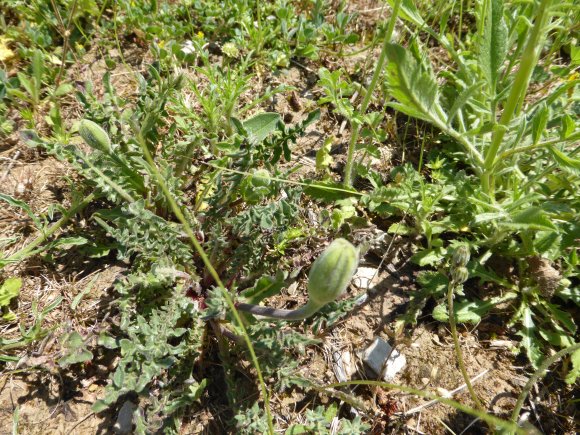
(186, 150)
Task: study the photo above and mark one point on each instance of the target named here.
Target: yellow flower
(200, 34)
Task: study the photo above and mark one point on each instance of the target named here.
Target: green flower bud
(459, 274)
(230, 50)
(260, 178)
(460, 256)
(332, 271)
(95, 136)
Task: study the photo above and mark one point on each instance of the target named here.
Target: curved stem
(369, 92)
(177, 211)
(537, 375)
(514, 101)
(488, 418)
(458, 352)
(289, 315)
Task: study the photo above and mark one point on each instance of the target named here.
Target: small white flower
(188, 47)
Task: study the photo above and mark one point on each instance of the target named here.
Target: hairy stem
(514, 101)
(201, 252)
(289, 315)
(537, 375)
(458, 353)
(369, 93)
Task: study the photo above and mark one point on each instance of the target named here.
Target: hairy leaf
(412, 86)
(493, 48)
(529, 340)
(262, 125)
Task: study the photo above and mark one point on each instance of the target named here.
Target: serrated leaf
(22, 205)
(570, 294)
(493, 47)
(470, 311)
(411, 85)
(428, 257)
(529, 340)
(262, 125)
(561, 316)
(533, 218)
(462, 314)
(566, 162)
(556, 338)
(435, 282)
(323, 157)
(75, 357)
(486, 275)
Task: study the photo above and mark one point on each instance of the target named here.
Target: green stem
(301, 313)
(369, 92)
(512, 107)
(488, 418)
(539, 145)
(189, 231)
(29, 249)
(458, 352)
(537, 375)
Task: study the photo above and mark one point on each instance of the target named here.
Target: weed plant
(190, 179)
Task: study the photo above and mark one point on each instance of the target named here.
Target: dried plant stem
(458, 353)
(537, 375)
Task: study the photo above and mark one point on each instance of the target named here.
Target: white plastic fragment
(381, 358)
(364, 276)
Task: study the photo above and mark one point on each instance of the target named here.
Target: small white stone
(364, 276)
(381, 356)
(124, 422)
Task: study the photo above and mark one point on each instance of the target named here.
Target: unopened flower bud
(260, 178)
(332, 271)
(94, 136)
(460, 256)
(459, 274)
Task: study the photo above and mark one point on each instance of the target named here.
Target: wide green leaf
(414, 87)
(262, 125)
(532, 218)
(566, 162)
(9, 290)
(530, 341)
(493, 47)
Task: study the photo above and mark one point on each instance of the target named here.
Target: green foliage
(202, 103)
(8, 291)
